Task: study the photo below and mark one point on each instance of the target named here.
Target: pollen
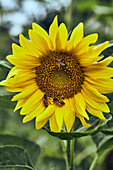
(60, 73)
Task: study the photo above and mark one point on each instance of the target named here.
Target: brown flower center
(59, 74)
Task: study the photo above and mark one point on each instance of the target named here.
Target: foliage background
(44, 150)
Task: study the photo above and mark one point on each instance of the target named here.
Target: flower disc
(59, 74)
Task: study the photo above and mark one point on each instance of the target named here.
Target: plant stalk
(69, 153)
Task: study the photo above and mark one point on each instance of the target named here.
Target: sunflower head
(59, 79)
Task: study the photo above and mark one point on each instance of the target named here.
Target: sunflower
(59, 80)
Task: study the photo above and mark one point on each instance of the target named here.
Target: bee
(60, 63)
(58, 101)
(46, 100)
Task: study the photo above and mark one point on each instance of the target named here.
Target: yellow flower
(59, 79)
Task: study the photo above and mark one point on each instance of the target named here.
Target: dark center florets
(59, 74)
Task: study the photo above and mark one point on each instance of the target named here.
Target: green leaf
(108, 128)
(32, 148)
(108, 131)
(5, 65)
(53, 163)
(104, 146)
(14, 156)
(96, 126)
(14, 168)
(94, 162)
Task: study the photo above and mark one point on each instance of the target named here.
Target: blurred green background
(16, 16)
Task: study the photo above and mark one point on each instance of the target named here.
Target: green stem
(69, 151)
(71, 154)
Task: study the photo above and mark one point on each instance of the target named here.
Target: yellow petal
(103, 63)
(21, 84)
(28, 46)
(38, 29)
(80, 105)
(40, 124)
(53, 124)
(14, 71)
(91, 91)
(95, 112)
(32, 102)
(13, 89)
(92, 55)
(37, 111)
(20, 80)
(25, 92)
(84, 122)
(89, 58)
(101, 47)
(24, 61)
(106, 72)
(102, 85)
(19, 104)
(83, 46)
(102, 106)
(72, 104)
(69, 115)
(46, 114)
(53, 31)
(17, 49)
(59, 117)
(39, 42)
(76, 36)
(19, 71)
(21, 53)
(61, 38)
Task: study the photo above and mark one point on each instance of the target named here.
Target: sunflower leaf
(108, 129)
(5, 65)
(14, 156)
(32, 148)
(53, 163)
(96, 127)
(104, 146)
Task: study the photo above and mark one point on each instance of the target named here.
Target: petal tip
(2, 82)
(24, 121)
(15, 110)
(20, 35)
(13, 45)
(81, 24)
(13, 99)
(56, 17)
(107, 43)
